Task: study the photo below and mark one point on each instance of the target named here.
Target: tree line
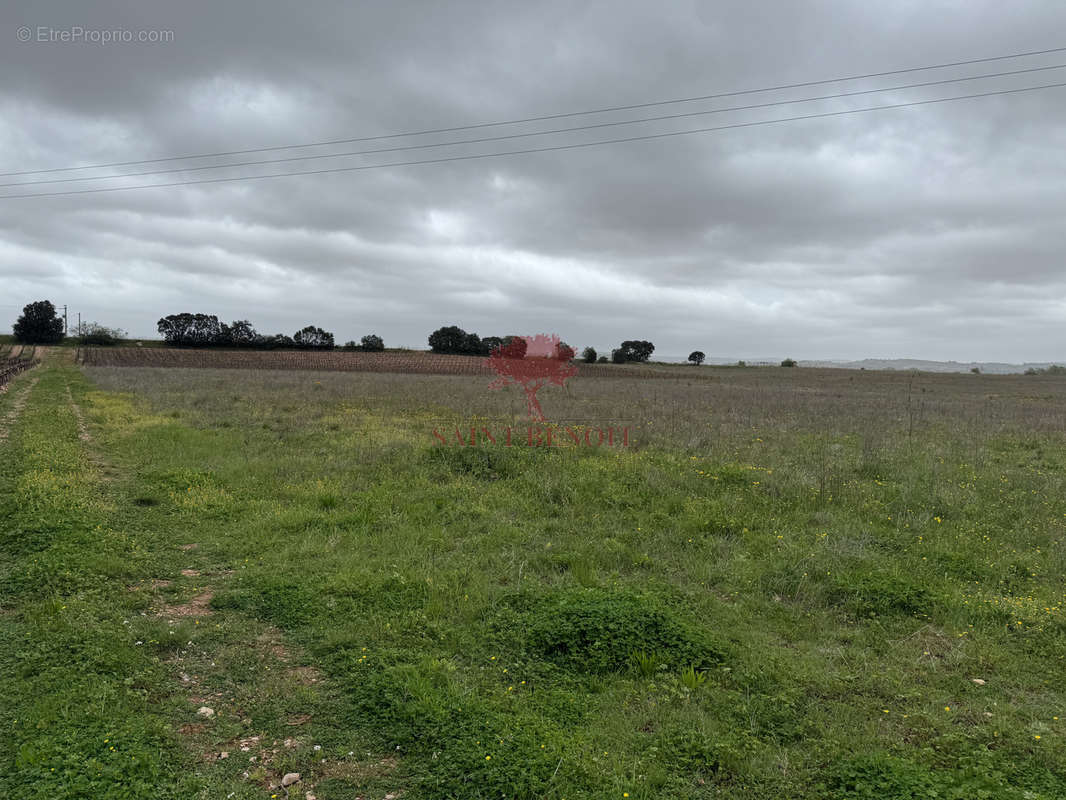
(453, 340)
(41, 324)
(205, 330)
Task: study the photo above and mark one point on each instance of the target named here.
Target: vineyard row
(340, 361)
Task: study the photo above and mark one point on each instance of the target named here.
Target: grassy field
(791, 584)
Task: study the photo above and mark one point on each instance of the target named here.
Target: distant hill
(989, 367)
(905, 364)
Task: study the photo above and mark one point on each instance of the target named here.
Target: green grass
(793, 610)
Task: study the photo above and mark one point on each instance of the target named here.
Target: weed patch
(594, 632)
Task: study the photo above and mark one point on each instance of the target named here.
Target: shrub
(788, 362)
(697, 357)
(601, 360)
(588, 355)
(372, 343)
(39, 324)
(618, 356)
(93, 333)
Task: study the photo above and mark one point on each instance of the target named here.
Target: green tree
(516, 346)
(635, 350)
(190, 330)
(313, 338)
(449, 339)
(240, 334)
(697, 357)
(588, 355)
(39, 324)
(454, 340)
(490, 344)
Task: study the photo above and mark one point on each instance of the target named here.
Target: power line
(571, 129)
(545, 117)
(553, 148)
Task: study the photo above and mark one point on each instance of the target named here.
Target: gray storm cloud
(932, 231)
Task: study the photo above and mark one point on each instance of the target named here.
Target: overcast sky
(933, 231)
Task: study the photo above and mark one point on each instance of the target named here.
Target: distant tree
(975, 370)
(635, 350)
(472, 345)
(350, 345)
(742, 363)
(372, 343)
(39, 324)
(450, 339)
(641, 349)
(93, 333)
(278, 341)
(588, 355)
(239, 334)
(601, 360)
(619, 356)
(313, 338)
(190, 330)
(491, 343)
(549, 362)
(788, 362)
(697, 357)
(516, 346)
